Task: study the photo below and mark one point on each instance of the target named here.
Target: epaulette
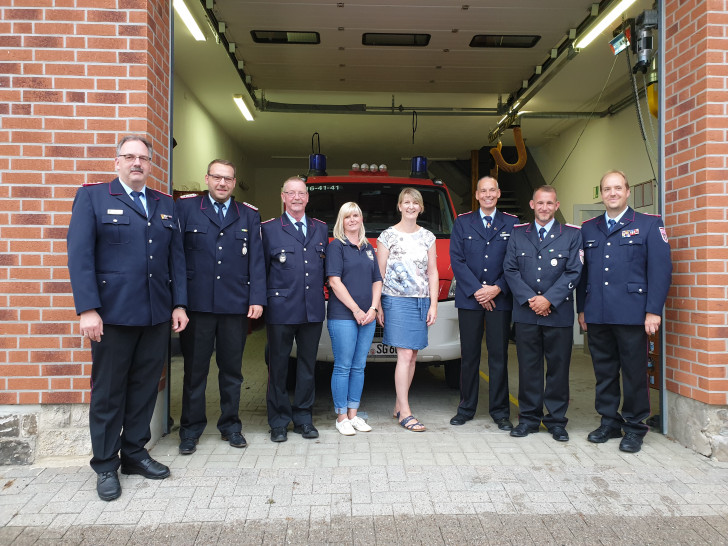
(187, 196)
(316, 219)
(250, 206)
(162, 192)
(266, 221)
(92, 183)
(465, 213)
(590, 219)
(648, 214)
(572, 225)
(522, 225)
(509, 214)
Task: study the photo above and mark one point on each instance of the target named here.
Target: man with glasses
(127, 273)
(294, 247)
(225, 288)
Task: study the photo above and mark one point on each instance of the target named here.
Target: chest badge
(282, 257)
(245, 249)
(554, 262)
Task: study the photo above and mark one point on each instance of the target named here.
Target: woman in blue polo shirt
(355, 289)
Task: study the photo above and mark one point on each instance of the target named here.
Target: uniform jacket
(129, 268)
(550, 268)
(627, 273)
(295, 271)
(225, 269)
(476, 256)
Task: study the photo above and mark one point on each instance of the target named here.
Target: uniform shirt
(406, 271)
(476, 255)
(550, 268)
(358, 270)
(128, 267)
(627, 272)
(225, 266)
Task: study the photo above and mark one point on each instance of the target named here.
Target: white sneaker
(360, 424)
(345, 427)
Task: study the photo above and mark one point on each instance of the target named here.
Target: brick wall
(696, 198)
(75, 75)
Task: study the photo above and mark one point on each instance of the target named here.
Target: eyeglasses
(131, 158)
(218, 178)
(296, 193)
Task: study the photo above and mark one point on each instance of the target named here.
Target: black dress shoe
(149, 468)
(631, 443)
(603, 433)
(108, 486)
(278, 434)
(559, 433)
(187, 446)
(504, 423)
(460, 419)
(523, 430)
(307, 430)
(236, 439)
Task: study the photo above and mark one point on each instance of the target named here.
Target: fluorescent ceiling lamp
(604, 21)
(189, 21)
(243, 107)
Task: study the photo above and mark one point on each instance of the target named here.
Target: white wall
(199, 141)
(609, 143)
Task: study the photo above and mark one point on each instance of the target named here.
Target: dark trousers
(533, 344)
(280, 343)
(497, 326)
(127, 366)
(225, 334)
(621, 348)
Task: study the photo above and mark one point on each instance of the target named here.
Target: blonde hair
(415, 195)
(346, 210)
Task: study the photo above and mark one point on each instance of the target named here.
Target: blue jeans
(350, 343)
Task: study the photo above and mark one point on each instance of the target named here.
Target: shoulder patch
(573, 226)
(187, 196)
(250, 206)
(266, 221)
(465, 213)
(509, 214)
(93, 183)
(320, 221)
(522, 225)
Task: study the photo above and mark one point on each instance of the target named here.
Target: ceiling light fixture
(602, 23)
(189, 21)
(243, 107)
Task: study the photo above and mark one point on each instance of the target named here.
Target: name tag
(114, 211)
(504, 234)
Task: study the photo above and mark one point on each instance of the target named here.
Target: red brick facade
(75, 75)
(696, 197)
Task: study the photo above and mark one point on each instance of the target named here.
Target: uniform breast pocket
(283, 255)
(241, 243)
(630, 248)
(116, 229)
(195, 237)
(524, 256)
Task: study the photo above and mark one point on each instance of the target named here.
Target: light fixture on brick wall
(247, 114)
(189, 21)
(602, 21)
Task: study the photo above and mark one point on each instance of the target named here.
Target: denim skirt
(405, 322)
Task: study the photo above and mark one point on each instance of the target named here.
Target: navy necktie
(299, 228)
(136, 196)
(612, 224)
(220, 214)
(487, 220)
(541, 234)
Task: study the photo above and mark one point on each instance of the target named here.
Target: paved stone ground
(450, 485)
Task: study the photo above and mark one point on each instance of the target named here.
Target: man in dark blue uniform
(477, 248)
(127, 272)
(294, 247)
(542, 266)
(627, 274)
(225, 288)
